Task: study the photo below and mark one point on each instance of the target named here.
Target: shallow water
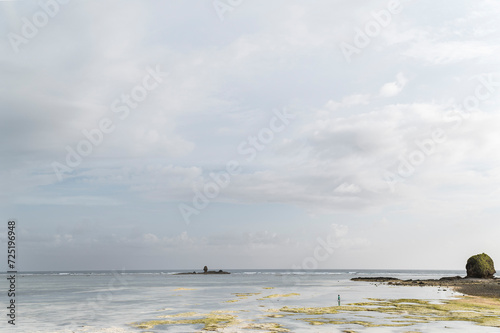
(112, 301)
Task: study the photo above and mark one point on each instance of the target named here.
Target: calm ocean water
(110, 301)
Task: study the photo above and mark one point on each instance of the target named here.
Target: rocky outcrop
(217, 272)
(205, 271)
(480, 266)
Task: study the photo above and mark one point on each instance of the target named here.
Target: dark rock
(374, 279)
(219, 272)
(205, 269)
(450, 278)
(480, 266)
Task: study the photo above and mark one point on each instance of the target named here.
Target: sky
(250, 134)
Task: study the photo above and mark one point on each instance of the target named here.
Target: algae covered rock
(480, 266)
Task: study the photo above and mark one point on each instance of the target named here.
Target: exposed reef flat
(405, 312)
(370, 313)
(469, 286)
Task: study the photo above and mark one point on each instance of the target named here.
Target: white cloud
(439, 53)
(348, 188)
(348, 101)
(391, 89)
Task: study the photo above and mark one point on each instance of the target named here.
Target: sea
(115, 301)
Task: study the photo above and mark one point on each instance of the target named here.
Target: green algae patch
(269, 327)
(275, 316)
(268, 288)
(323, 310)
(324, 321)
(166, 309)
(212, 321)
(184, 289)
(407, 312)
(181, 315)
(275, 313)
(241, 296)
(311, 311)
(279, 295)
(321, 321)
(245, 295)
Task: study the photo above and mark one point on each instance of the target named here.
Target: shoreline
(469, 286)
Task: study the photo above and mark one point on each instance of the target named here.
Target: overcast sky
(250, 134)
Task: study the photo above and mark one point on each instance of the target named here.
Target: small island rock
(205, 271)
(480, 266)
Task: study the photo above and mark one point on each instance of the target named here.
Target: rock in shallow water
(480, 266)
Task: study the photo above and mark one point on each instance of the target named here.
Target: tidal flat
(260, 313)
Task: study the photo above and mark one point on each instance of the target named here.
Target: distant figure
(205, 269)
(339, 300)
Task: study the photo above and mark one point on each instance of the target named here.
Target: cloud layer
(405, 132)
